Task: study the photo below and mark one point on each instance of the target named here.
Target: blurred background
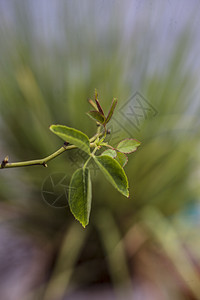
(53, 54)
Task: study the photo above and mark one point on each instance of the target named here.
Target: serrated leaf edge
(114, 184)
(89, 184)
(80, 132)
(130, 151)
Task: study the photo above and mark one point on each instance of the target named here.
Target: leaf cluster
(111, 161)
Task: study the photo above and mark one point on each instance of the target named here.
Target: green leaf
(113, 105)
(113, 172)
(80, 195)
(93, 104)
(128, 145)
(72, 136)
(95, 94)
(97, 116)
(121, 158)
(99, 106)
(97, 102)
(110, 152)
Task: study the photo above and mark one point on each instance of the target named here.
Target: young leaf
(113, 105)
(80, 195)
(113, 172)
(93, 104)
(99, 106)
(121, 158)
(110, 152)
(95, 94)
(72, 136)
(97, 116)
(97, 102)
(128, 145)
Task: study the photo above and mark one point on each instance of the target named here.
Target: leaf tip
(84, 225)
(51, 127)
(126, 194)
(112, 108)
(95, 93)
(139, 143)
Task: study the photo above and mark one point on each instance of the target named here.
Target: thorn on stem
(108, 131)
(4, 162)
(45, 165)
(66, 144)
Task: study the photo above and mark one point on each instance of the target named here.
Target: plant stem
(107, 145)
(91, 155)
(98, 134)
(43, 161)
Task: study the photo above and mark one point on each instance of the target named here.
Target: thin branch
(35, 162)
(43, 162)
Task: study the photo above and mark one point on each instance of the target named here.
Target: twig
(43, 162)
